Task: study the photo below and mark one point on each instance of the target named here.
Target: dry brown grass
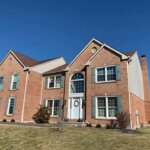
(31, 138)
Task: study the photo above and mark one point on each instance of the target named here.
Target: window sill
(9, 115)
(13, 89)
(54, 116)
(104, 118)
(52, 88)
(112, 81)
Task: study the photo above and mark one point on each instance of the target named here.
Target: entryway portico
(76, 97)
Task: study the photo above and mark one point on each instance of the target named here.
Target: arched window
(77, 83)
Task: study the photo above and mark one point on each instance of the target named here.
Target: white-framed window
(105, 74)
(54, 81)
(11, 106)
(106, 107)
(14, 82)
(77, 83)
(1, 83)
(54, 107)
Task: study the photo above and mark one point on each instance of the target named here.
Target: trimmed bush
(12, 120)
(4, 120)
(42, 115)
(89, 125)
(98, 126)
(123, 119)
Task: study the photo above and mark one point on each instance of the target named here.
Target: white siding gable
(44, 67)
(136, 77)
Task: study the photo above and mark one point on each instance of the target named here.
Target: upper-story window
(1, 83)
(55, 81)
(77, 83)
(105, 74)
(14, 82)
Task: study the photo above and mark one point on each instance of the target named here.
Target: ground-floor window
(106, 107)
(54, 107)
(11, 106)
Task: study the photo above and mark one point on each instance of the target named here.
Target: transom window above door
(77, 83)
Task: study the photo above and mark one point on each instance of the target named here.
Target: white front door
(76, 110)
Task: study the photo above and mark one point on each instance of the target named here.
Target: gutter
(130, 110)
(24, 97)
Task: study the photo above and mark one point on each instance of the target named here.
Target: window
(14, 82)
(54, 82)
(11, 106)
(106, 74)
(77, 83)
(54, 107)
(106, 107)
(1, 83)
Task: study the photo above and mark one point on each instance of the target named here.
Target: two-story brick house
(97, 84)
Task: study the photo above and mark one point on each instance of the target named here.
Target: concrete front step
(74, 124)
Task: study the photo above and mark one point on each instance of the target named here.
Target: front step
(74, 124)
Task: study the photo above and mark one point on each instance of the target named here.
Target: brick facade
(32, 90)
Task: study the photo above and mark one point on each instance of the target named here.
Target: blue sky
(50, 28)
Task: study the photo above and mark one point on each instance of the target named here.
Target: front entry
(76, 110)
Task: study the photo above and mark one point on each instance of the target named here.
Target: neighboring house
(97, 84)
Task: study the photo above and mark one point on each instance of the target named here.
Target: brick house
(97, 84)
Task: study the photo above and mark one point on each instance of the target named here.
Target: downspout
(41, 95)
(130, 110)
(64, 100)
(24, 97)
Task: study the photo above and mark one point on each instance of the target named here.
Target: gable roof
(59, 69)
(130, 53)
(124, 56)
(27, 61)
(24, 60)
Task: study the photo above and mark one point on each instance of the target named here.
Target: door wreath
(76, 103)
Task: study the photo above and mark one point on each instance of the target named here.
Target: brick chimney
(145, 78)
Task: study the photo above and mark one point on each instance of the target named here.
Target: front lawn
(31, 138)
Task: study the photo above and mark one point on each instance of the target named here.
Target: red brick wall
(7, 69)
(78, 65)
(137, 104)
(33, 95)
(147, 112)
(106, 58)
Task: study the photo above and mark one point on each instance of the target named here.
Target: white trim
(106, 80)
(103, 45)
(24, 97)
(48, 81)
(75, 94)
(10, 51)
(130, 109)
(46, 103)
(123, 55)
(107, 113)
(83, 51)
(88, 62)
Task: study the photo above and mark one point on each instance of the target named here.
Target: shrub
(108, 126)
(12, 120)
(89, 125)
(112, 125)
(123, 119)
(4, 120)
(42, 115)
(98, 126)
